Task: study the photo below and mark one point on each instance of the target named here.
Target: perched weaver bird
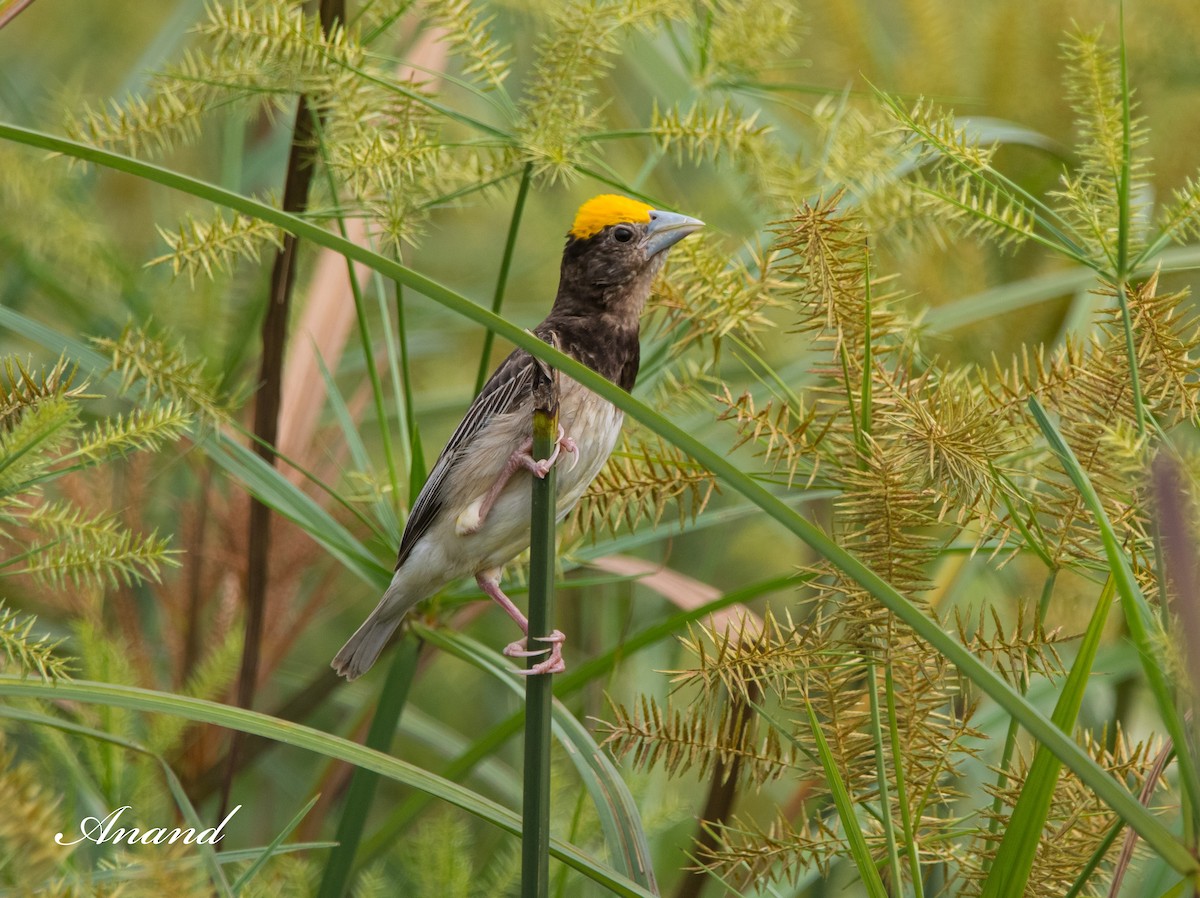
(473, 514)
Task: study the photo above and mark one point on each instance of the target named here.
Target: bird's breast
(594, 424)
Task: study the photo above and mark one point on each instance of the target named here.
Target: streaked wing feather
(509, 384)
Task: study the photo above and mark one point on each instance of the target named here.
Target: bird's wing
(510, 384)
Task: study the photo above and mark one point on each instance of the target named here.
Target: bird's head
(615, 248)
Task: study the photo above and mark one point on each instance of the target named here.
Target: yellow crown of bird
(607, 209)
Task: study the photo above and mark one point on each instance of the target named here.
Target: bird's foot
(541, 467)
(473, 516)
(553, 663)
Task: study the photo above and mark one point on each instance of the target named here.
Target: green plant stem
(1112, 793)
(336, 878)
(898, 755)
(510, 243)
(416, 469)
(864, 428)
(539, 688)
(1135, 382)
(881, 777)
(1013, 863)
(1124, 188)
(856, 842)
(1010, 736)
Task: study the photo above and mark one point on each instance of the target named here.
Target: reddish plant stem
(301, 161)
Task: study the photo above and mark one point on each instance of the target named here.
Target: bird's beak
(668, 228)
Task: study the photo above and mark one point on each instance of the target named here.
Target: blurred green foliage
(881, 287)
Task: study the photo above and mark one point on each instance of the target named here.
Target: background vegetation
(872, 599)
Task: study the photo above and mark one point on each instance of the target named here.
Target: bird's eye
(623, 234)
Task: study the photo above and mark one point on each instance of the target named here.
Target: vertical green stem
(364, 335)
(416, 471)
(336, 878)
(535, 828)
(881, 777)
(514, 224)
(910, 837)
(864, 428)
(1010, 737)
(1124, 223)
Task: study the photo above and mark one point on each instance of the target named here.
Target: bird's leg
(489, 582)
(476, 513)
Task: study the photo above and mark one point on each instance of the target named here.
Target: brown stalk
(195, 594)
(1175, 519)
(718, 807)
(301, 160)
(1126, 857)
(684, 592)
(10, 9)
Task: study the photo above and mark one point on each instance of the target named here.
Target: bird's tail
(362, 649)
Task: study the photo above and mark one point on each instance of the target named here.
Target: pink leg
(489, 582)
(472, 519)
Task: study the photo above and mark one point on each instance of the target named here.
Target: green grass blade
(1097, 858)
(881, 778)
(1142, 624)
(272, 849)
(859, 851)
(336, 877)
(313, 740)
(510, 244)
(845, 808)
(360, 317)
(1018, 295)
(910, 842)
(384, 510)
(1014, 859)
(416, 454)
(281, 495)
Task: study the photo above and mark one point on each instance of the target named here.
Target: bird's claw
(568, 445)
(564, 443)
(552, 664)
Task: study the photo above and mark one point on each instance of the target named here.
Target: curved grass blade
(841, 799)
(208, 855)
(274, 490)
(309, 739)
(1141, 622)
(1018, 849)
(273, 848)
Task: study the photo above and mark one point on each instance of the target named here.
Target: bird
(472, 516)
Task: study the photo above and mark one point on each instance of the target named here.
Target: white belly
(593, 423)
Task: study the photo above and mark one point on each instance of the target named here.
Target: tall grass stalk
(510, 243)
(539, 690)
